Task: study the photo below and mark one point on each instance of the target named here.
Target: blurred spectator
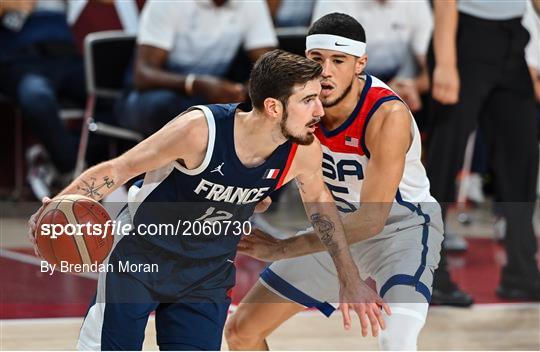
(480, 166)
(38, 64)
(184, 53)
(398, 34)
(531, 21)
(478, 71)
(291, 13)
(86, 17)
(42, 71)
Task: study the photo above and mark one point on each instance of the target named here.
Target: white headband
(335, 42)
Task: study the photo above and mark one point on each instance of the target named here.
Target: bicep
(164, 146)
(309, 176)
(388, 147)
(311, 185)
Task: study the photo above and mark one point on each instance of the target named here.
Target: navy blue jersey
(221, 190)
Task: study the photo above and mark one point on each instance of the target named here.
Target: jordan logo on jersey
(218, 169)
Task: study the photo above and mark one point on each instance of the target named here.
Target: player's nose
(319, 110)
(326, 71)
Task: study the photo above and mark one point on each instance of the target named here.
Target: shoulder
(391, 112)
(389, 129)
(392, 120)
(191, 129)
(308, 157)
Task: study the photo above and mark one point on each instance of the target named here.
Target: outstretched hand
(367, 304)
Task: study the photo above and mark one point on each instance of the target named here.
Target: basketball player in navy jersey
(371, 157)
(215, 162)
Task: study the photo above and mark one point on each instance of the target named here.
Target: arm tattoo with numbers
(326, 229)
(90, 188)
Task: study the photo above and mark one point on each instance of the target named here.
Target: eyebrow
(309, 96)
(337, 56)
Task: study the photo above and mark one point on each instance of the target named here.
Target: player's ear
(360, 65)
(273, 107)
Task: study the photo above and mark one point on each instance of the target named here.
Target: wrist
(349, 280)
(285, 248)
(189, 83)
(348, 273)
(282, 249)
(446, 65)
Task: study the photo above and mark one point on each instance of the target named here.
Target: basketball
(74, 229)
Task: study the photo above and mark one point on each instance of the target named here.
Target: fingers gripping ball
(75, 229)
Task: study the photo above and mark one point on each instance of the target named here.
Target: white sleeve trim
(211, 141)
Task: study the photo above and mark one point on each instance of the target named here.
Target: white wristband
(188, 83)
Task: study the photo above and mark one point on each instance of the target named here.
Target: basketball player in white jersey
(371, 157)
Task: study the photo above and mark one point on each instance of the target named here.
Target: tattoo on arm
(300, 185)
(90, 188)
(326, 229)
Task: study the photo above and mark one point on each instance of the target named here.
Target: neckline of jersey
(352, 116)
(236, 160)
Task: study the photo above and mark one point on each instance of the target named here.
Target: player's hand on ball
(367, 304)
(32, 224)
(261, 246)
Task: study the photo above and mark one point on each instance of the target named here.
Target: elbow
(140, 78)
(364, 232)
(376, 228)
(377, 224)
(139, 81)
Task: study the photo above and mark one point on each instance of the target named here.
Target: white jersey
(345, 156)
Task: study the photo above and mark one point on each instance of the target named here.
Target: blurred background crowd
(82, 80)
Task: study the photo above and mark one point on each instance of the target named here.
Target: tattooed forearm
(300, 185)
(90, 189)
(325, 228)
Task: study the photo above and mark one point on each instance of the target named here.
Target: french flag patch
(351, 141)
(271, 174)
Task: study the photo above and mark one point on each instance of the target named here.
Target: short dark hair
(339, 24)
(276, 73)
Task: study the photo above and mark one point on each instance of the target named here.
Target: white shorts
(406, 252)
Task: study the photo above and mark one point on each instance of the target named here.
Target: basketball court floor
(42, 312)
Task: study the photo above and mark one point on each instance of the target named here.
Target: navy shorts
(192, 323)
(190, 303)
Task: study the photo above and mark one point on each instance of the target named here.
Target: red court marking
(27, 293)
(477, 271)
